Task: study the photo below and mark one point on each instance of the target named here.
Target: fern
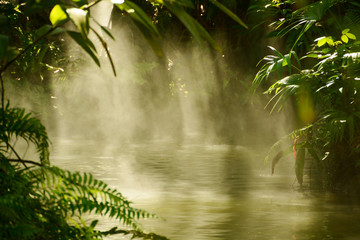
(47, 202)
(15, 123)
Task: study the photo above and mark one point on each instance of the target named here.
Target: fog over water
(166, 134)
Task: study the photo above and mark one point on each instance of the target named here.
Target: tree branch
(25, 161)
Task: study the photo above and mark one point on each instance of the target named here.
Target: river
(205, 191)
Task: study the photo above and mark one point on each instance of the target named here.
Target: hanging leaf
(58, 16)
(104, 29)
(104, 44)
(86, 44)
(195, 28)
(299, 165)
(139, 16)
(229, 13)
(80, 18)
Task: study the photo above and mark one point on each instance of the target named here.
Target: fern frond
(82, 193)
(16, 123)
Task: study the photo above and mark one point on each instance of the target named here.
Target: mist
(191, 93)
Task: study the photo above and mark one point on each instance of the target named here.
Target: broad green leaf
(4, 41)
(58, 16)
(320, 41)
(345, 31)
(344, 38)
(85, 44)
(330, 41)
(351, 36)
(229, 13)
(80, 18)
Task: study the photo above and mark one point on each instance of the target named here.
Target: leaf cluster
(325, 88)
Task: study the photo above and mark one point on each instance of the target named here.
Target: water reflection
(212, 191)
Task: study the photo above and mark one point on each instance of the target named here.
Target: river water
(205, 191)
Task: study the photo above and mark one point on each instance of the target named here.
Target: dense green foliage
(323, 84)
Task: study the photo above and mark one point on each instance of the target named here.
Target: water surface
(207, 191)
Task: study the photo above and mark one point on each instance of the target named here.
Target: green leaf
(345, 31)
(198, 31)
(344, 38)
(138, 15)
(330, 41)
(229, 13)
(312, 55)
(4, 41)
(104, 44)
(58, 16)
(104, 29)
(351, 36)
(86, 44)
(80, 18)
(321, 41)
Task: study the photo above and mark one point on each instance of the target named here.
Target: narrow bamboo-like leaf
(138, 15)
(104, 29)
(276, 51)
(228, 12)
(58, 16)
(104, 44)
(205, 34)
(84, 44)
(191, 24)
(306, 27)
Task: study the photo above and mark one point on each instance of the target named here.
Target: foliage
(43, 201)
(47, 203)
(326, 94)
